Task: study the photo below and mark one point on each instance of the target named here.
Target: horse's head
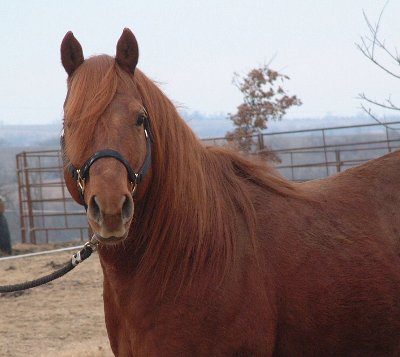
(107, 136)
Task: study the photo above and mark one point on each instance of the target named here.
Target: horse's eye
(140, 119)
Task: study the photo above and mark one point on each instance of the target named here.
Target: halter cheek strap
(82, 174)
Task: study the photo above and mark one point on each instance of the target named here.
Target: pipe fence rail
(49, 214)
(315, 153)
(47, 211)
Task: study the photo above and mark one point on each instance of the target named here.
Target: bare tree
(387, 59)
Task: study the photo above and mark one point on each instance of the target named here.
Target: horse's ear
(71, 53)
(127, 51)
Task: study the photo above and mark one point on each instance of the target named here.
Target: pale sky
(193, 48)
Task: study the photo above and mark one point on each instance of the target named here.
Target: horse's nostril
(94, 209)
(127, 208)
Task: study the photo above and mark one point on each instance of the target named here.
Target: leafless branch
(390, 105)
(369, 46)
(370, 43)
(373, 116)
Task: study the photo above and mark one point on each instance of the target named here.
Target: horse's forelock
(91, 89)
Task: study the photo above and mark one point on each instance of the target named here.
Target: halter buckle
(80, 181)
(134, 185)
(92, 243)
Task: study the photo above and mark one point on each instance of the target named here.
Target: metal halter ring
(134, 185)
(80, 181)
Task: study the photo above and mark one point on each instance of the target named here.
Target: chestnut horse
(205, 253)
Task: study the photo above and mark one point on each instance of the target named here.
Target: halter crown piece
(82, 174)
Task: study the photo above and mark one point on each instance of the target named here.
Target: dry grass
(63, 318)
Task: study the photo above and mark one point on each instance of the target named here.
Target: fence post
(387, 140)
(32, 234)
(260, 142)
(338, 162)
(326, 154)
(291, 164)
(21, 197)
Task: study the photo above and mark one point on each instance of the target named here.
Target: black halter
(82, 174)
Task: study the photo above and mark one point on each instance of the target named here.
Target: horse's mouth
(112, 240)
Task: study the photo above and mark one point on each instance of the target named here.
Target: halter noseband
(82, 174)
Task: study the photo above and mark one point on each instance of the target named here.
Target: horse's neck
(185, 229)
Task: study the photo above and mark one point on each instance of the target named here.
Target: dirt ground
(62, 318)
